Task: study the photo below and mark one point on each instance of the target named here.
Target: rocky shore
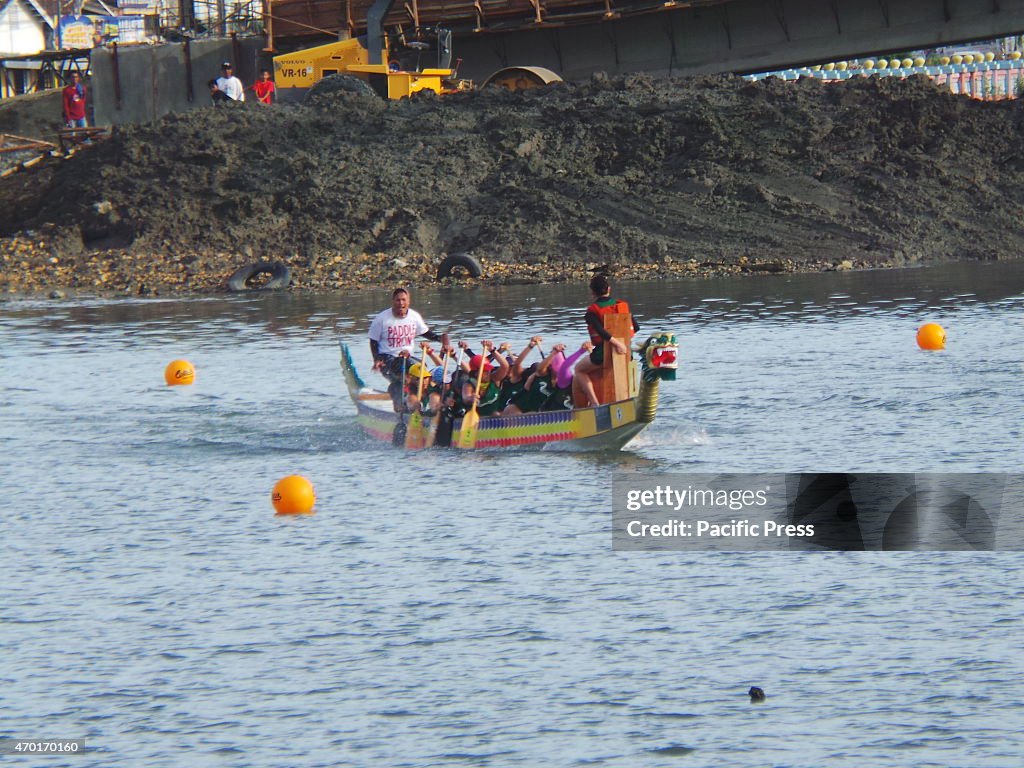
(657, 178)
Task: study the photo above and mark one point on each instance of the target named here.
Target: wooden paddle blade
(415, 436)
(467, 433)
(471, 421)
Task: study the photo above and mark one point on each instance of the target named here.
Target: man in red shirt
(265, 89)
(74, 103)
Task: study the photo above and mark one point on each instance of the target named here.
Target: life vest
(618, 307)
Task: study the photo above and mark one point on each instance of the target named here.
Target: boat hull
(606, 427)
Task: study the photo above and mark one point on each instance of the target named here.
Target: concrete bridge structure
(741, 36)
(677, 37)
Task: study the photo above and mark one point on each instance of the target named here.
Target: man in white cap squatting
(229, 84)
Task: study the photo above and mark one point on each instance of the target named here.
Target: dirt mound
(36, 115)
(631, 171)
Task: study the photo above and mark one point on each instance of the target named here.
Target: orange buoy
(931, 336)
(179, 372)
(293, 495)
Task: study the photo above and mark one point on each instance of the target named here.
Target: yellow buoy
(907, 63)
(931, 336)
(830, 66)
(894, 64)
(179, 372)
(968, 58)
(958, 59)
(990, 56)
(842, 65)
(919, 61)
(944, 60)
(1015, 55)
(882, 64)
(869, 64)
(293, 495)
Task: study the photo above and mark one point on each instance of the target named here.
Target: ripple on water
(468, 608)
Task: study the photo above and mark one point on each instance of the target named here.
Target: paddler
(548, 387)
(515, 381)
(489, 398)
(415, 372)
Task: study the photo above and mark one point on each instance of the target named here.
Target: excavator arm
(375, 30)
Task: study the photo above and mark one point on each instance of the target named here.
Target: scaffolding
(211, 18)
(47, 69)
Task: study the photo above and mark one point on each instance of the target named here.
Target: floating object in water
(931, 336)
(293, 495)
(179, 372)
(756, 694)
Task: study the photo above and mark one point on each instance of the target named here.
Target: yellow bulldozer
(392, 66)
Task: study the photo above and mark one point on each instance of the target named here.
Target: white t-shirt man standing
(393, 335)
(396, 329)
(230, 84)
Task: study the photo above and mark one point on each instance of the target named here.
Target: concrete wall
(154, 81)
(742, 36)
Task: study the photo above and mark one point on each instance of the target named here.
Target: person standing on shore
(264, 88)
(74, 103)
(229, 84)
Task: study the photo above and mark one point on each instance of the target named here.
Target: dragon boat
(627, 388)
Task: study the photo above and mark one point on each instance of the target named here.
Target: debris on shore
(657, 177)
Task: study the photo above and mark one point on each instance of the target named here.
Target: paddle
(471, 421)
(458, 363)
(398, 436)
(436, 421)
(414, 437)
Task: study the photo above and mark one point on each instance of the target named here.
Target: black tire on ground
(280, 276)
(459, 262)
(522, 78)
(339, 83)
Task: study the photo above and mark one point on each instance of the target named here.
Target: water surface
(450, 609)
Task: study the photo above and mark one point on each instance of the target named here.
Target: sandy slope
(657, 177)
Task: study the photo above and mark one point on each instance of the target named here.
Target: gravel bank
(657, 177)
